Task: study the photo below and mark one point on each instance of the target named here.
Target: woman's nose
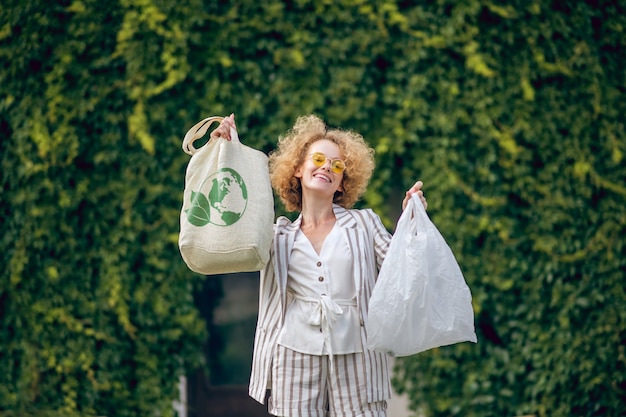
(328, 164)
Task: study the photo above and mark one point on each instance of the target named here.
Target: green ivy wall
(512, 113)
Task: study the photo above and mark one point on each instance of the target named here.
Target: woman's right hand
(223, 130)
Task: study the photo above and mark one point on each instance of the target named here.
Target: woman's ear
(298, 173)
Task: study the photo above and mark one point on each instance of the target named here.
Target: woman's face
(322, 179)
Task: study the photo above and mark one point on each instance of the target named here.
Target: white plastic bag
(228, 207)
(421, 300)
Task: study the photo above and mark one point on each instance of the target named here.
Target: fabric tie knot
(325, 314)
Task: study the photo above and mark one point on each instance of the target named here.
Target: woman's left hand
(415, 189)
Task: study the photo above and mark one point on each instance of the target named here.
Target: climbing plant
(510, 112)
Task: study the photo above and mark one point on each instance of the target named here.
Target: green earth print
(225, 202)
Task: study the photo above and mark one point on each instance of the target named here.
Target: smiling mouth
(322, 177)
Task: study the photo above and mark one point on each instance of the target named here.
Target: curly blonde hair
(293, 148)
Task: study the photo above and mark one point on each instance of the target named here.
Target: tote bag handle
(199, 130)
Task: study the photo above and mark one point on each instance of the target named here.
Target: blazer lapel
(357, 242)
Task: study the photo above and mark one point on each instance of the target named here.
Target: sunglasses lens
(318, 159)
(338, 166)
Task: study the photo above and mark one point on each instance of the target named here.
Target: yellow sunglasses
(336, 165)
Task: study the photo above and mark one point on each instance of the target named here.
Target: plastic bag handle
(199, 130)
(419, 208)
(414, 216)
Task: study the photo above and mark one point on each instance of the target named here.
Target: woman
(310, 346)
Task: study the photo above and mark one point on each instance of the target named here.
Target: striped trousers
(304, 386)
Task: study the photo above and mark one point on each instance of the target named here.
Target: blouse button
(321, 279)
(319, 263)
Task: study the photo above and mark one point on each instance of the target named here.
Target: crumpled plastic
(421, 300)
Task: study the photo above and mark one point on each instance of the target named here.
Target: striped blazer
(368, 241)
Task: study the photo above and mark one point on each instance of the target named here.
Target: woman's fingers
(223, 130)
(231, 119)
(415, 189)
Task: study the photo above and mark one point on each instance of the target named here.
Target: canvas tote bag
(226, 221)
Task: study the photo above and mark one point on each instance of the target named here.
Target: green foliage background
(510, 112)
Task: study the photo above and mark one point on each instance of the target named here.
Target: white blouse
(322, 316)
